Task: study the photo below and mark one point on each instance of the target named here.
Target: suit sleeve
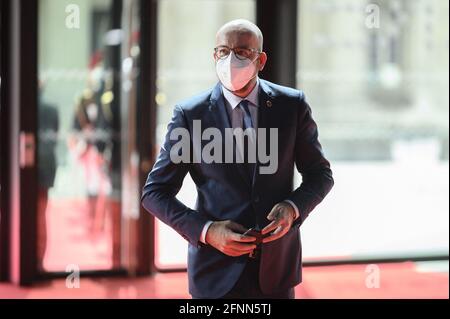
(164, 183)
(311, 163)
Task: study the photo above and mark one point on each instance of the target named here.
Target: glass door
(87, 158)
(379, 91)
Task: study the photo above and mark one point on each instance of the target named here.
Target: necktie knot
(244, 106)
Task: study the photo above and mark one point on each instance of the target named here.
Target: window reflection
(376, 75)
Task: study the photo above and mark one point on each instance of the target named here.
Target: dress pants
(247, 287)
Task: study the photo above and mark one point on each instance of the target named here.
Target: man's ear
(262, 60)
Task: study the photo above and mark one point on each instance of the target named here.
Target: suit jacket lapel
(218, 109)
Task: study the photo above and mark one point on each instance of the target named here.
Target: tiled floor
(401, 280)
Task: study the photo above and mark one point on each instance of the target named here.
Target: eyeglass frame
(233, 50)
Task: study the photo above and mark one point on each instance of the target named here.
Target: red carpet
(402, 280)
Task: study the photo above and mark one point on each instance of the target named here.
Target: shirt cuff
(204, 231)
(297, 212)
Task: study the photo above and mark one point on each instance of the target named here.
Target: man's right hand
(226, 236)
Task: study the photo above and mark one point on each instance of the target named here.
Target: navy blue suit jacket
(227, 192)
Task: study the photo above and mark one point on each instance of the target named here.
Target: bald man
(244, 238)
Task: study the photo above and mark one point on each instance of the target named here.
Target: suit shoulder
(284, 91)
(195, 102)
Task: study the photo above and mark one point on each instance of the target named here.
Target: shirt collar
(234, 100)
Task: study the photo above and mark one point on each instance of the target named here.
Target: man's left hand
(282, 217)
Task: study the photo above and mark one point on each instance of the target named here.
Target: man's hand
(227, 237)
(282, 217)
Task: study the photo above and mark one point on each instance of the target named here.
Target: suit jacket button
(256, 199)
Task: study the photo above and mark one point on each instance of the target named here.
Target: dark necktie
(247, 123)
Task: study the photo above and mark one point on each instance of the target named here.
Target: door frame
(146, 127)
(4, 140)
(22, 77)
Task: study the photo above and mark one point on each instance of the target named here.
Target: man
(226, 261)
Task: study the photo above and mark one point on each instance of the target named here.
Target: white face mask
(234, 74)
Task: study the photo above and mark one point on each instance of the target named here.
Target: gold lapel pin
(269, 104)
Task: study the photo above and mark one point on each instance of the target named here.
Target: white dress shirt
(236, 117)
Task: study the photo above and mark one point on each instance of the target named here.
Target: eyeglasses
(222, 52)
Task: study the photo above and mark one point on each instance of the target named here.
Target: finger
(271, 227)
(235, 253)
(272, 238)
(277, 234)
(241, 238)
(279, 230)
(273, 213)
(237, 231)
(242, 247)
(237, 228)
